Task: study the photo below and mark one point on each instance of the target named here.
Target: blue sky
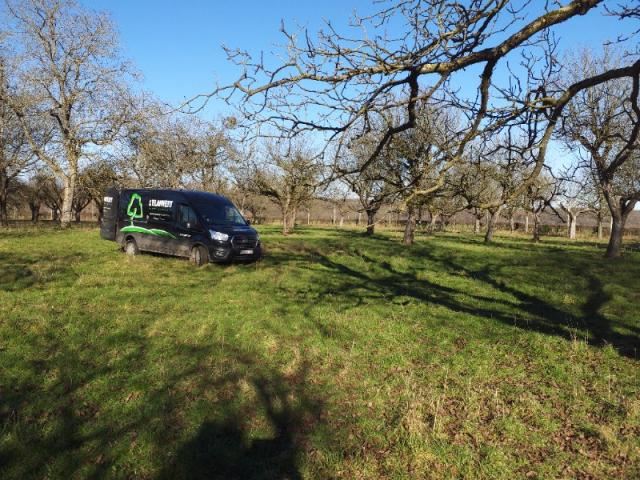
(177, 45)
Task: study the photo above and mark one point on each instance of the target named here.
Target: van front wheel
(199, 256)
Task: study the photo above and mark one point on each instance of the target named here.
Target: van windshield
(220, 214)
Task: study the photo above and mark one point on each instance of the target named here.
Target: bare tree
(341, 85)
(368, 184)
(602, 125)
(539, 197)
(511, 208)
(81, 197)
(337, 196)
(164, 149)
(241, 190)
(492, 177)
(96, 178)
(574, 200)
(15, 157)
(66, 63)
(33, 192)
(421, 158)
(50, 191)
(596, 202)
(289, 176)
(216, 152)
(472, 181)
(443, 207)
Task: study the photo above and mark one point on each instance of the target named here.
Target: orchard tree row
(427, 105)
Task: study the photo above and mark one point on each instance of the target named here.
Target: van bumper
(227, 253)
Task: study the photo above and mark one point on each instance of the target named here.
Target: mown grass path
(337, 356)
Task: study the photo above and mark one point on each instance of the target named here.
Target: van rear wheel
(131, 248)
(199, 256)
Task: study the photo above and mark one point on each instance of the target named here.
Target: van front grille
(244, 241)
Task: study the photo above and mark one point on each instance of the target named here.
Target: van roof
(202, 197)
(191, 195)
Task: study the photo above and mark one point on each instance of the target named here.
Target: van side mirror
(248, 221)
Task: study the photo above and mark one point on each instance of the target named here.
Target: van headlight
(219, 236)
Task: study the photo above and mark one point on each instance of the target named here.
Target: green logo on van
(134, 210)
(151, 231)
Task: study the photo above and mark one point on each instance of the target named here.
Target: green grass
(337, 356)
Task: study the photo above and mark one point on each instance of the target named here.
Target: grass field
(337, 356)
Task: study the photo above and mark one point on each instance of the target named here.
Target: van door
(109, 222)
(161, 218)
(187, 226)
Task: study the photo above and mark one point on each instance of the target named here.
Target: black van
(199, 225)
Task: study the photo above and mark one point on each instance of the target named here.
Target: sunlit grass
(336, 356)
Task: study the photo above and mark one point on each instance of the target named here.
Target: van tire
(131, 248)
(199, 256)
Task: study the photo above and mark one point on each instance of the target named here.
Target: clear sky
(176, 45)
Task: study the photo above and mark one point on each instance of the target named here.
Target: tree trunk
(35, 211)
(4, 214)
(614, 248)
(571, 225)
(433, 221)
(285, 221)
(512, 226)
(333, 216)
(67, 200)
(620, 209)
(4, 188)
(491, 224)
(77, 216)
(476, 225)
(409, 228)
(599, 228)
(371, 221)
(536, 227)
(526, 223)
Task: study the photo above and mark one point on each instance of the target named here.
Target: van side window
(187, 217)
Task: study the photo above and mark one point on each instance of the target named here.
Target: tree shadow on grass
(49, 419)
(15, 277)
(224, 448)
(21, 272)
(60, 423)
(547, 318)
(380, 280)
